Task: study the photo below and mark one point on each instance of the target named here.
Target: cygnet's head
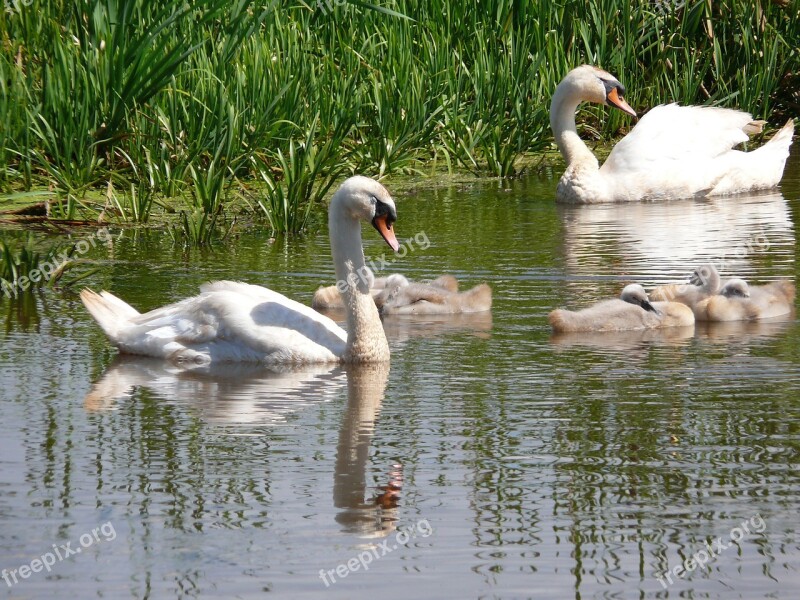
(396, 280)
(365, 199)
(707, 277)
(735, 288)
(635, 294)
(394, 283)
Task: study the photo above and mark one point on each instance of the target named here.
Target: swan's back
(684, 151)
(683, 293)
(227, 322)
(608, 315)
(631, 311)
(429, 299)
(674, 314)
(673, 132)
(769, 301)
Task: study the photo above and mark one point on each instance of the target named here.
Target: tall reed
(184, 99)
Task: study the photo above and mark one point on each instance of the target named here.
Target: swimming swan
(673, 152)
(703, 283)
(404, 298)
(738, 301)
(236, 322)
(329, 298)
(632, 310)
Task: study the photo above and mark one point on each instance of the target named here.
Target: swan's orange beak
(617, 101)
(381, 223)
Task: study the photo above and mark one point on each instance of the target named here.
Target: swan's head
(365, 199)
(707, 277)
(635, 294)
(592, 84)
(396, 280)
(735, 288)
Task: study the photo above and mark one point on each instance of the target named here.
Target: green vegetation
(24, 266)
(210, 108)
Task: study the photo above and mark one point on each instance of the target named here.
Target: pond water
(489, 460)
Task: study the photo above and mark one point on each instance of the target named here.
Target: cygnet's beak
(649, 307)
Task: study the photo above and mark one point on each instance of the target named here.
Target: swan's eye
(382, 209)
(612, 85)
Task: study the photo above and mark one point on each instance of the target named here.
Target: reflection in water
(744, 332)
(366, 385)
(21, 312)
(233, 394)
(622, 340)
(578, 466)
(402, 328)
(661, 242)
(226, 394)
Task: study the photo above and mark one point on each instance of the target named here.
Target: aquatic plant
(184, 98)
(24, 266)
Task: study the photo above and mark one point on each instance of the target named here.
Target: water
(527, 466)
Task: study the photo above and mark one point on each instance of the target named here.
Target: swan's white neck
(366, 341)
(565, 102)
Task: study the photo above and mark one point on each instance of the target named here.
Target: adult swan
(236, 322)
(673, 152)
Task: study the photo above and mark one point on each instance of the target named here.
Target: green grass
(186, 104)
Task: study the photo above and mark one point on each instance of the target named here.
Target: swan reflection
(744, 331)
(362, 513)
(400, 329)
(223, 394)
(625, 340)
(241, 394)
(653, 243)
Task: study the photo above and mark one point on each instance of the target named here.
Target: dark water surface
(578, 467)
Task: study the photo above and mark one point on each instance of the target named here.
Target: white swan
(738, 301)
(673, 152)
(236, 322)
(632, 310)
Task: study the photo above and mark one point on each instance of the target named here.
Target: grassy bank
(130, 110)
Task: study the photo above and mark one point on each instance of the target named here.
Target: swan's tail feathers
(666, 293)
(478, 298)
(784, 136)
(110, 312)
(560, 321)
(446, 282)
(754, 127)
(762, 168)
(786, 288)
(327, 297)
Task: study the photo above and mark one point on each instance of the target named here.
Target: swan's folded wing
(446, 282)
(417, 292)
(248, 323)
(607, 315)
(683, 134)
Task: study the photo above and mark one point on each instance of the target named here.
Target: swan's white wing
(231, 321)
(684, 134)
(684, 151)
